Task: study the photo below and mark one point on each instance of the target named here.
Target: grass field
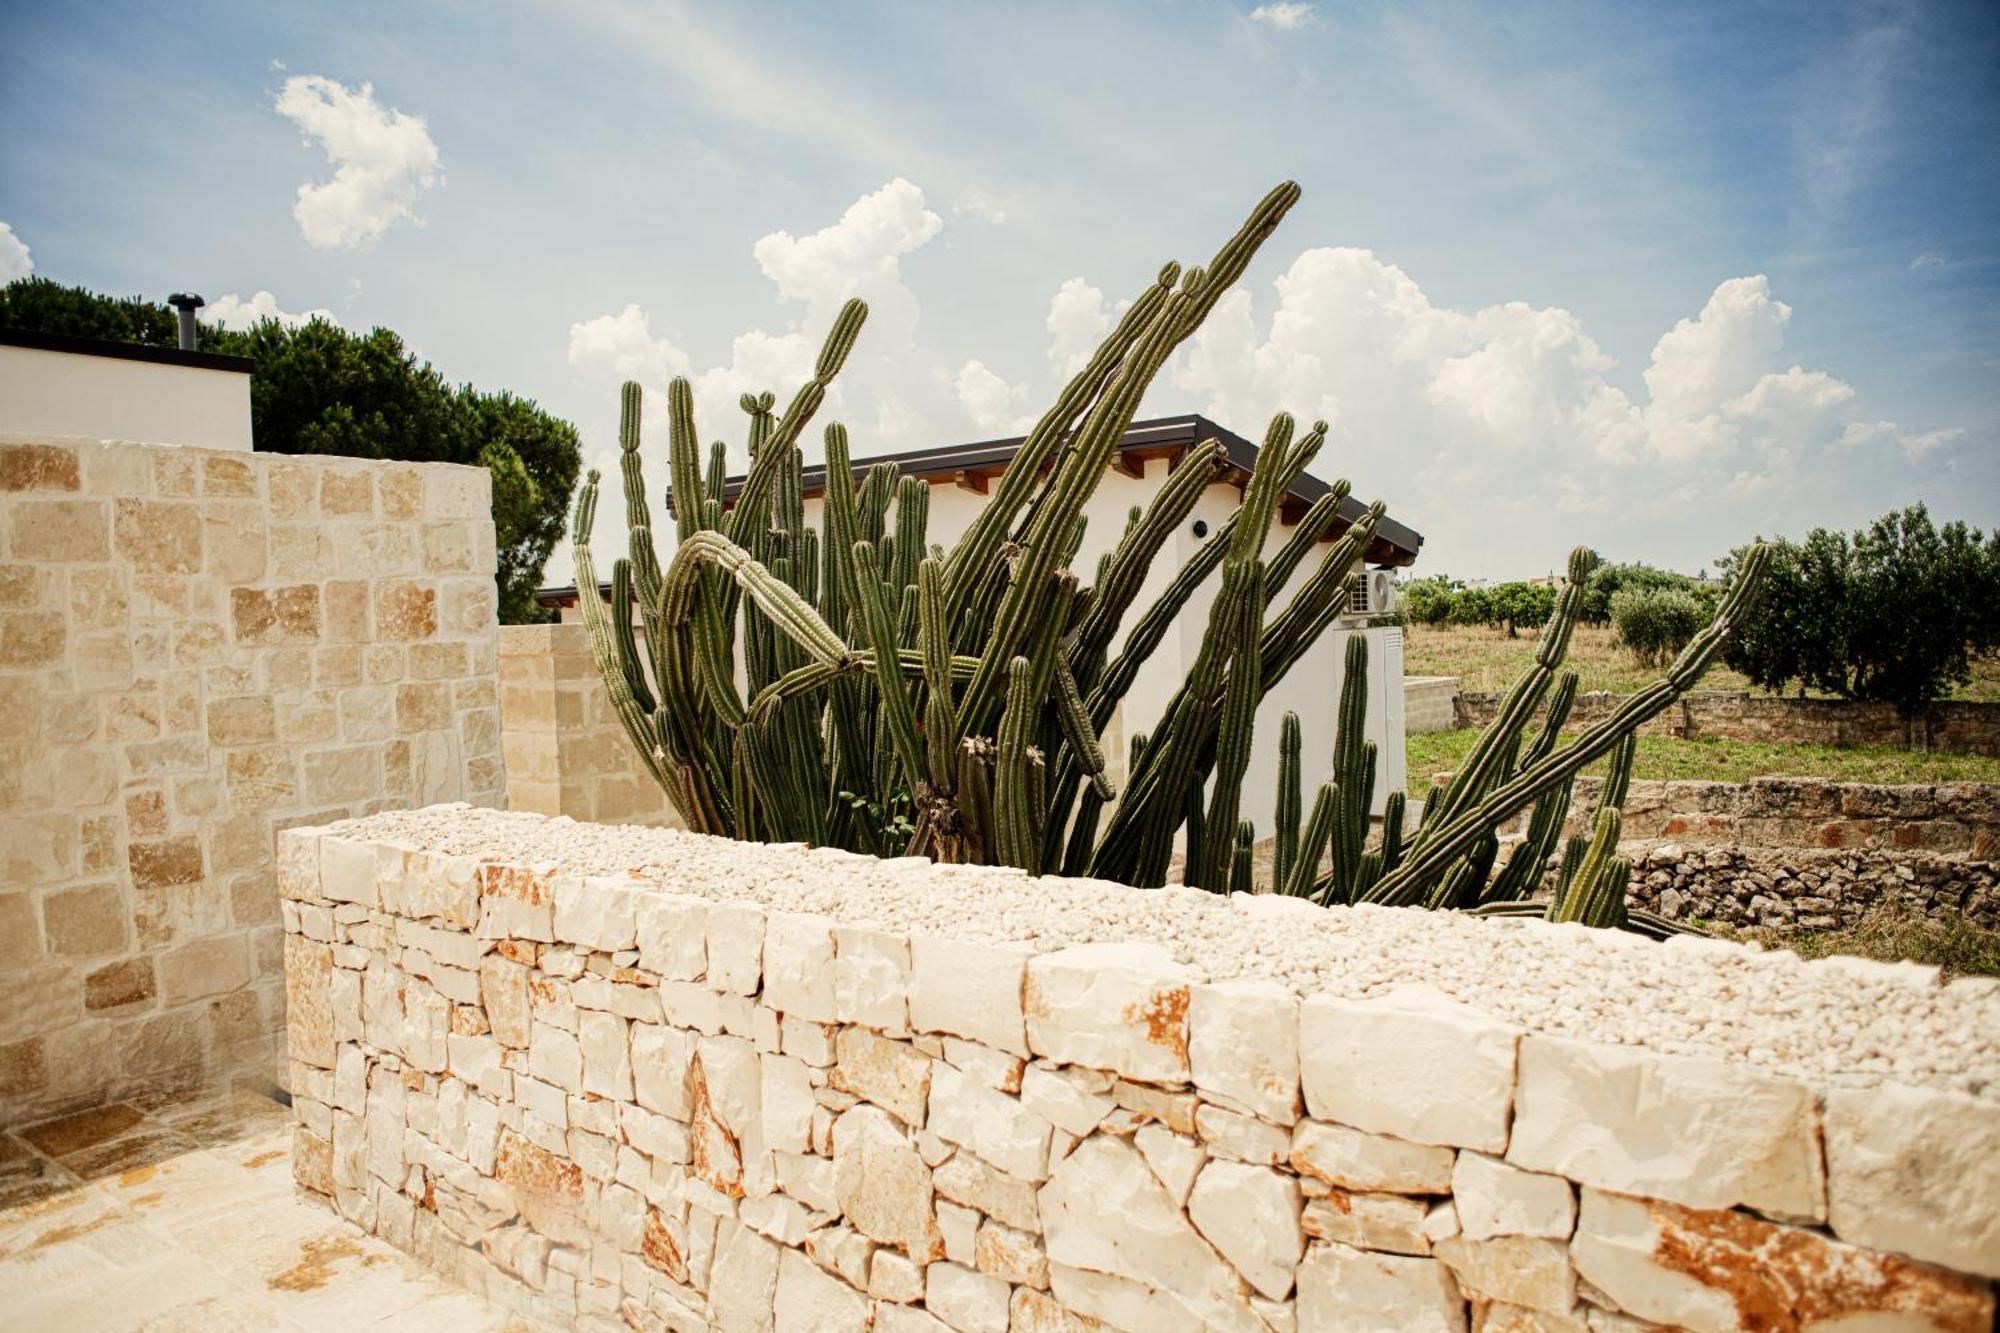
(1733, 761)
(1486, 659)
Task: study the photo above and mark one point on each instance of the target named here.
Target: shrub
(1427, 601)
(1656, 623)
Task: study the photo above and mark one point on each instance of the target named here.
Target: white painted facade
(112, 397)
(1311, 689)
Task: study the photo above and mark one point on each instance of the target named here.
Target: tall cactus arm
(1239, 718)
(1457, 834)
(1317, 521)
(895, 700)
(1285, 819)
(1588, 896)
(684, 460)
(753, 501)
(1146, 636)
(941, 733)
(1314, 842)
(1016, 844)
(1078, 735)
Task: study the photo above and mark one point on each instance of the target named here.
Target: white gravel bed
(1830, 1020)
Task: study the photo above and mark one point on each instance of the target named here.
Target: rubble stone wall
(567, 753)
(650, 1101)
(1952, 818)
(197, 648)
(1800, 890)
(1962, 726)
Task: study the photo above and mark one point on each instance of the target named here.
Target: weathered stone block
(1251, 1215)
(798, 966)
(1243, 1046)
(1344, 1289)
(1916, 1170)
(1122, 1007)
(970, 990)
(1355, 1160)
(1413, 1063)
(1697, 1132)
(1495, 1199)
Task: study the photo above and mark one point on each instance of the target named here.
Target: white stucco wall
(113, 398)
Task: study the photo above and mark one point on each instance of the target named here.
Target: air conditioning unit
(1372, 593)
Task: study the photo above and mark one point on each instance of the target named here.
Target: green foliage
(1654, 623)
(1439, 600)
(1427, 601)
(977, 680)
(1607, 581)
(321, 390)
(1840, 612)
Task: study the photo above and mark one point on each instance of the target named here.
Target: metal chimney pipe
(186, 303)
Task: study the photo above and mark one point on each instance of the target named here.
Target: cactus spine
(856, 685)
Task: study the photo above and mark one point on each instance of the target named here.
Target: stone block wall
(1953, 818)
(198, 648)
(1429, 703)
(1959, 726)
(567, 753)
(638, 1078)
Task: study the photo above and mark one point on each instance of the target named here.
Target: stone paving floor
(176, 1213)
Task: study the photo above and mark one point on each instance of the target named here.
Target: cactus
(856, 685)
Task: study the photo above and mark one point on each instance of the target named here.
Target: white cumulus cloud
(993, 404)
(382, 158)
(237, 313)
(14, 260)
(1284, 15)
(1502, 411)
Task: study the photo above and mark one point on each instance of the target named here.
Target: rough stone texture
(592, 1114)
(1798, 890)
(1970, 727)
(567, 753)
(190, 661)
(1700, 1132)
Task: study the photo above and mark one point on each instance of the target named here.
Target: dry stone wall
(621, 1078)
(1962, 726)
(197, 648)
(1952, 818)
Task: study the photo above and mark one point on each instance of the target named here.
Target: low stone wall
(1967, 727)
(1429, 703)
(567, 752)
(1954, 818)
(199, 647)
(1797, 890)
(617, 1074)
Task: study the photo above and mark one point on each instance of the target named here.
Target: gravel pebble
(1833, 1020)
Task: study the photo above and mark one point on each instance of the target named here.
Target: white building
(88, 388)
(959, 476)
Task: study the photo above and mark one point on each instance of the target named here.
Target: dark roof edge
(166, 356)
(1187, 429)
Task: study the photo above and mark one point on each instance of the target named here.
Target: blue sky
(1655, 278)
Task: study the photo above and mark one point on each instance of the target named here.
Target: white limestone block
(988, 1122)
(892, 1276)
(1342, 1290)
(892, 1074)
(969, 989)
(968, 1301)
(659, 1068)
(798, 965)
(883, 1185)
(1246, 1138)
(808, 1179)
(555, 1057)
(892, 1318)
(811, 1301)
(1243, 1046)
(1174, 1159)
(347, 871)
(1103, 1211)
(1068, 1102)
(1520, 1270)
(1109, 1301)
(1722, 1271)
(735, 943)
(995, 1069)
(1393, 1223)
(595, 912)
(1495, 1199)
(965, 1179)
(787, 1103)
(673, 934)
(958, 1229)
(607, 1054)
(1704, 1133)
(1414, 1063)
(1354, 1160)
(1011, 1254)
(1916, 1170)
(1122, 1007)
(1251, 1214)
(871, 979)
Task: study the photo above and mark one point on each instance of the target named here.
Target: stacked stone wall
(198, 648)
(1953, 819)
(658, 1099)
(567, 752)
(1960, 726)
